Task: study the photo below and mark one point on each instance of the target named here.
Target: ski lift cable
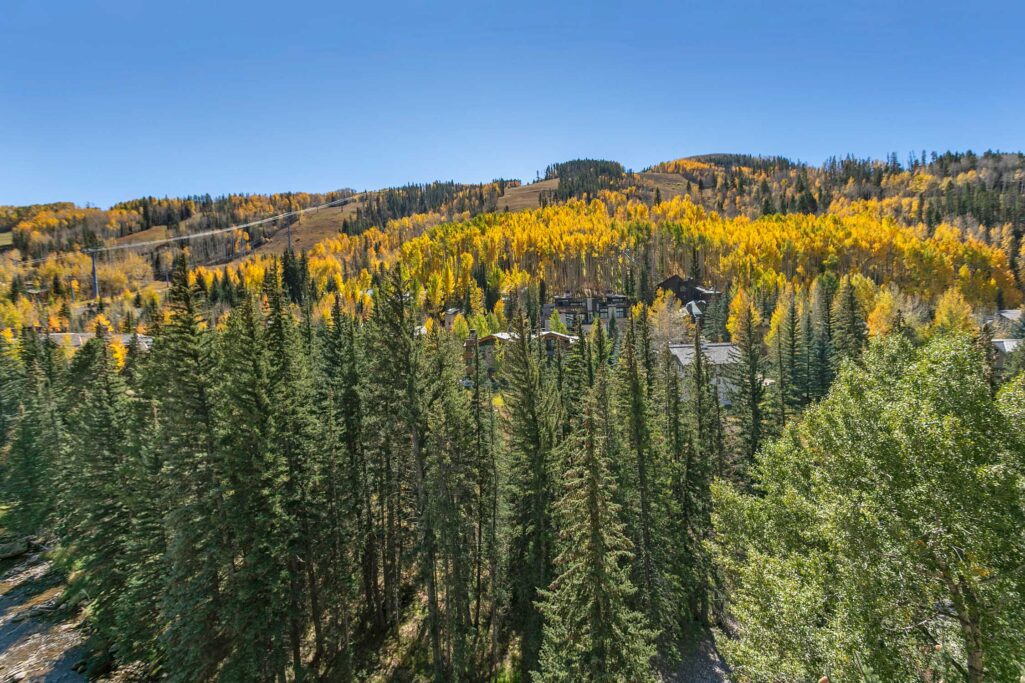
(208, 233)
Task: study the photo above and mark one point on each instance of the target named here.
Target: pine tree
(641, 480)
(848, 324)
(590, 632)
(297, 438)
(198, 542)
(34, 430)
(532, 421)
(487, 579)
(139, 604)
(703, 461)
(256, 605)
(99, 535)
(747, 375)
(784, 341)
(821, 354)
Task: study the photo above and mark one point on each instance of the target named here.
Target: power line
(182, 238)
(208, 233)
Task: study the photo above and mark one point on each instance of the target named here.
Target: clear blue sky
(103, 100)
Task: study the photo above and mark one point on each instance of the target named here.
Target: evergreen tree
(450, 459)
(704, 455)
(256, 604)
(641, 480)
(532, 421)
(198, 543)
(578, 376)
(488, 582)
(145, 549)
(747, 375)
(590, 632)
(341, 371)
(349, 573)
(298, 441)
(34, 431)
(821, 355)
(390, 340)
(98, 537)
(785, 352)
(848, 319)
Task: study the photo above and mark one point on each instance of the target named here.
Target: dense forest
(306, 468)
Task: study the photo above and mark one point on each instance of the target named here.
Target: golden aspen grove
(727, 418)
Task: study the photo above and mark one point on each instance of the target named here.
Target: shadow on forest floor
(701, 662)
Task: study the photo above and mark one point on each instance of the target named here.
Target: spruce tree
(641, 480)
(747, 374)
(848, 320)
(488, 581)
(784, 341)
(704, 455)
(35, 431)
(348, 529)
(590, 632)
(532, 420)
(822, 352)
(139, 604)
(198, 542)
(389, 340)
(451, 457)
(297, 439)
(341, 370)
(98, 538)
(256, 605)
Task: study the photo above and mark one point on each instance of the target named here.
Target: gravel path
(37, 643)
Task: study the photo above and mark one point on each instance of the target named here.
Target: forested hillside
(314, 466)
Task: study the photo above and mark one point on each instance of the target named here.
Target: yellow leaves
(668, 321)
(953, 314)
(460, 327)
(681, 166)
(883, 317)
(742, 313)
(118, 351)
(100, 325)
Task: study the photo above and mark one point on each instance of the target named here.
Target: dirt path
(701, 663)
(38, 642)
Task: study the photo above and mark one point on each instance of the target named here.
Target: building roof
(76, 340)
(1012, 314)
(1006, 345)
(512, 336)
(720, 353)
(559, 336)
(694, 308)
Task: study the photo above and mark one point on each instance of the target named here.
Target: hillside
(979, 196)
(476, 432)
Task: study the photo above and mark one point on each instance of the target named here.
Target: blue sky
(103, 100)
